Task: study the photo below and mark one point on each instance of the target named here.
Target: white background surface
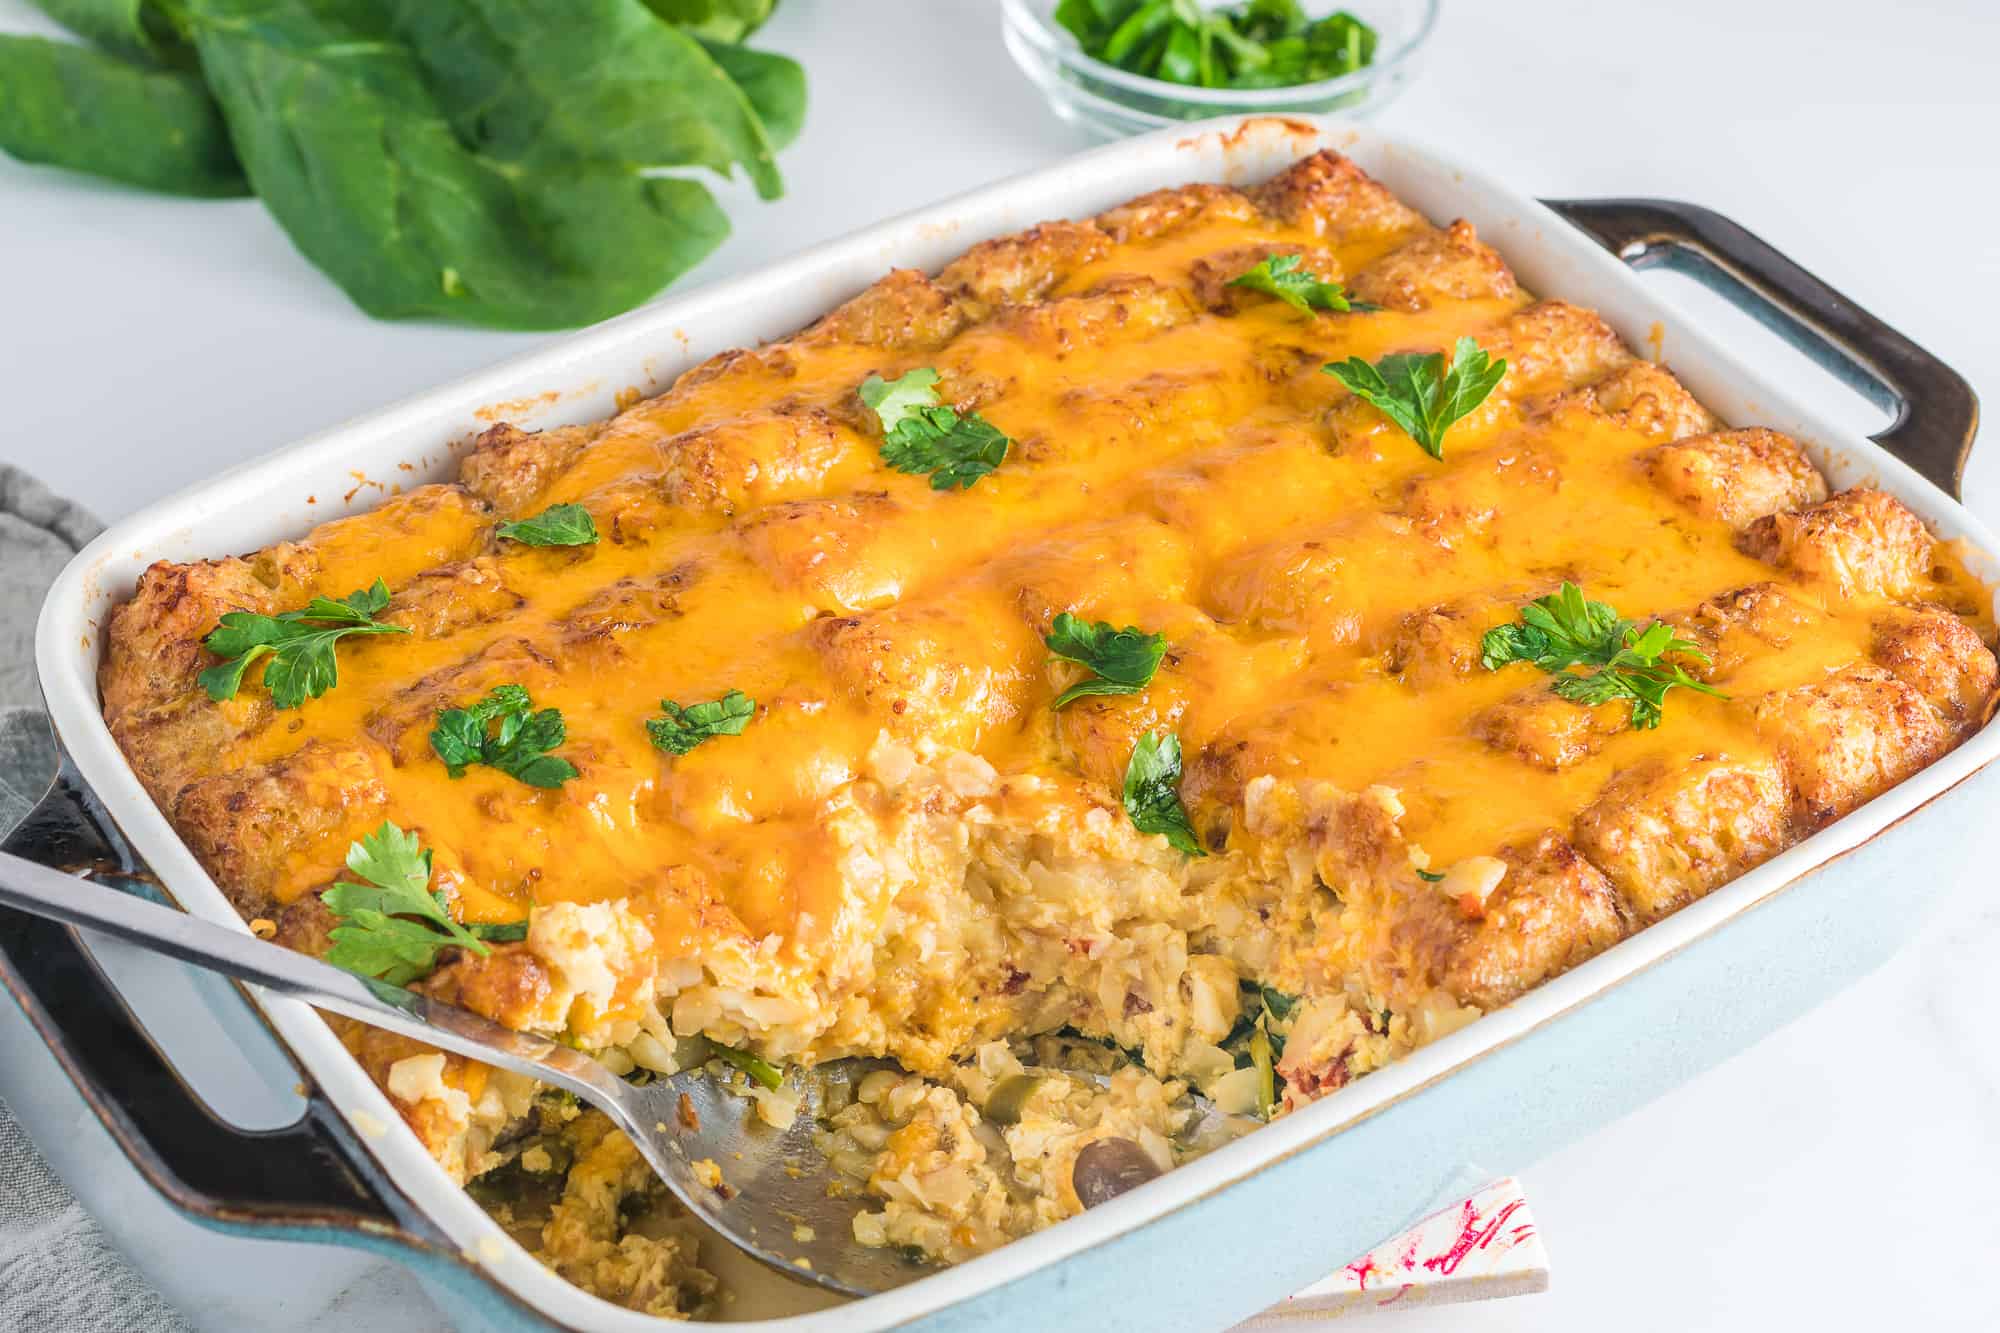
(1838, 1176)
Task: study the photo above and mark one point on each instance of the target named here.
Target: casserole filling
(824, 784)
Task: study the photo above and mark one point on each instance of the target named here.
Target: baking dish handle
(1937, 412)
(310, 1179)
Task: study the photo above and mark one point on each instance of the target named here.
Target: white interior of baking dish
(352, 466)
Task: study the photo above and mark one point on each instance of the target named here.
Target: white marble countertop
(1836, 1176)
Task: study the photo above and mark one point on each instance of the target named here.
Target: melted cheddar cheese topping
(1180, 463)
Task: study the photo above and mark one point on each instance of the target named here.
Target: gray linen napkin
(57, 1271)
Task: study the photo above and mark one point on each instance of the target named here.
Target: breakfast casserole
(1221, 645)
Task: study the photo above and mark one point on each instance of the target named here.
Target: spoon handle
(49, 893)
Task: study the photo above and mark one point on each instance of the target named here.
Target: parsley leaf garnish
(393, 926)
(558, 525)
(1558, 631)
(1621, 660)
(684, 728)
(921, 435)
(1255, 44)
(299, 643)
(520, 748)
(1418, 393)
(1122, 660)
(1281, 276)
(894, 401)
(1152, 792)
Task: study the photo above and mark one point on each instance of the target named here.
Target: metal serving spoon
(772, 1198)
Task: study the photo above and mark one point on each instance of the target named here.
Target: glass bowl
(1112, 103)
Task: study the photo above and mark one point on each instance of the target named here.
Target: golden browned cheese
(1180, 463)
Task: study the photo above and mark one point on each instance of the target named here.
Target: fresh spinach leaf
(490, 161)
(775, 85)
(715, 20)
(142, 30)
(65, 105)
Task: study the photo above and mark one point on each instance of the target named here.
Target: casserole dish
(1338, 1171)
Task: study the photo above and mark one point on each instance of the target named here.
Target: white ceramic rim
(262, 500)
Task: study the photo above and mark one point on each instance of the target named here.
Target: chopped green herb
(1122, 661)
(1257, 44)
(300, 644)
(684, 728)
(1419, 394)
(1281, 276)
(766, 1074)
(393, 926)
(921, 435)
(519, 747)
(558, 525)
(1619, 659)
(1152, 792)
(501, 932)
(1431, 876)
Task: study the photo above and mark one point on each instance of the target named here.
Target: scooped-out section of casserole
(1220, 644)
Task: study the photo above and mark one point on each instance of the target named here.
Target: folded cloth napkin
(57, 1271)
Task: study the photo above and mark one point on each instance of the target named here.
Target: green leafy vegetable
(501, 932)
(299, 643)
(684, 728)
(483, 160)
(1281, 276)
(558, 525)
(1619, 659)
(901, 399)
(1258, 44)
(519, 748)
(1419, 394)
(1152, 792)
(921, 435)
(1561, 630)
(70, 106)
(498, 162)
(1257, 1039)
(715, 20)
(1121, 661)
(141, 30)
(392, 926)
(775, 85)
(1277, 1004)
(765, 1073)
